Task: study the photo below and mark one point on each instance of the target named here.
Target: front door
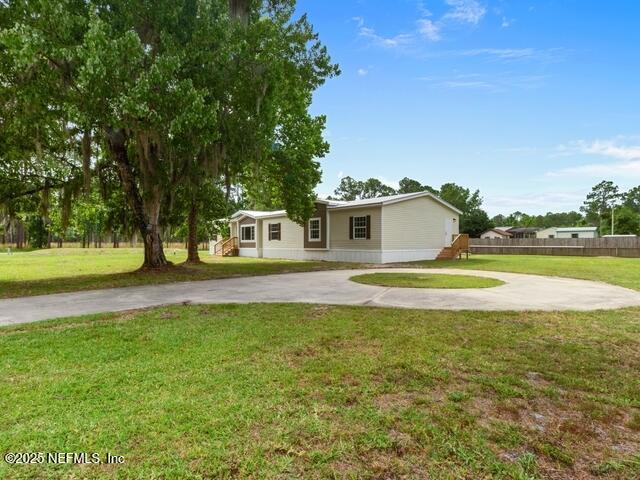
(448, 231)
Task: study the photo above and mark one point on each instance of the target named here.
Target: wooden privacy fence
(590, 247)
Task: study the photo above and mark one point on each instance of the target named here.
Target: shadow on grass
(182, 272)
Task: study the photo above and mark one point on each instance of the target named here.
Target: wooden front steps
(459, 245)
(227, 247)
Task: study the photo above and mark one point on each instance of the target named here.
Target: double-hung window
(314, 230)
(274, 231)
(360, 228)
(248, 233)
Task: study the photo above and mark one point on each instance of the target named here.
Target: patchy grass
(69, 269)
(282, 391)
(426, 280)
(617, 271)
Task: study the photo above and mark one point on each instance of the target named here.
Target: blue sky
(532, 102)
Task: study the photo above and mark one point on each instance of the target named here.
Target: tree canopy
(474, 219)
(170, 95)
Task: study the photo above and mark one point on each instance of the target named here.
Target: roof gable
(388, 200)
(340, 204)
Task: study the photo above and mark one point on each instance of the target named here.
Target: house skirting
(249, 252)
(335, 255)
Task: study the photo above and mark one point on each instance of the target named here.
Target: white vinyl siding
(416, 224)
(339, 228)
(291, 234)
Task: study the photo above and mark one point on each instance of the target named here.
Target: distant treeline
(604, 200)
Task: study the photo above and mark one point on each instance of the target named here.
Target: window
(274, 231)
(552, 236)
(314, 230)
(248, 233)
(360, 228)
(574, 235)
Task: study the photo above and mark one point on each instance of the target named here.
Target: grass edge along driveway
(425, 280)
(624, 272)
(73, 269)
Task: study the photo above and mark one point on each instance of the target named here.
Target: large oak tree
(175, 92)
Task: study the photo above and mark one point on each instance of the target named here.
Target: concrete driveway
(520, 292)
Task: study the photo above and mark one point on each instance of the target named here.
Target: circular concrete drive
(520, 292)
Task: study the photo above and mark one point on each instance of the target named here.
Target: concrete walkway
(521, 292)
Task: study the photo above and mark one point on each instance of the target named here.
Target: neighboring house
(547, 233)
(523, 232)
(413, 226)
(498, 232)
(577, 232)
(568, 232)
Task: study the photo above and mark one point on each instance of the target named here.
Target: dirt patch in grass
(553, 430)
(395, 401)
(319, 311)
(60, 326)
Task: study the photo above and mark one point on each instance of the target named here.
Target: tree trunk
(146, 212)
(192, 239)
(153, 251)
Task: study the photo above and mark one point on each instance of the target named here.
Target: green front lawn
(618, 271)
(69, 269)
(300, 391)
(426, 280)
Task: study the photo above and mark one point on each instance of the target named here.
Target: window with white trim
(274, 231)
(314, 230)
(247, 233)
(360, 228)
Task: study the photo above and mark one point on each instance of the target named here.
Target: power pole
(613, 208)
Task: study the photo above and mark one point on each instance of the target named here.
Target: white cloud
(362, 72)
(505, 55)
(460, 11)
(359, 21)
(399, 40)
(629, 168)
(429, 29)
(506, 23)
(340, 174)
(622, 148)
(502, 53)
(467, 84)
(424, 11)
(618, 147)
(494, 82)
(465, 11)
